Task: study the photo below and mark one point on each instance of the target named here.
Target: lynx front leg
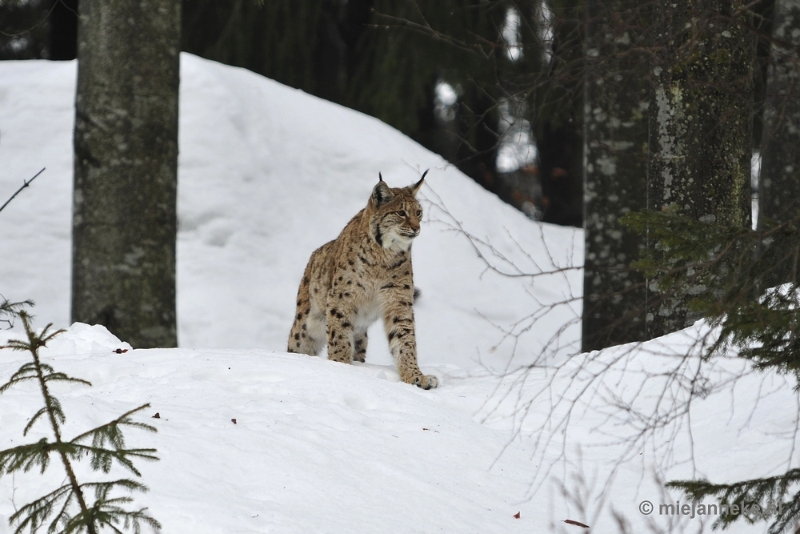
(398, 320)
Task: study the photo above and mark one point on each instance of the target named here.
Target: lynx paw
(426, 381)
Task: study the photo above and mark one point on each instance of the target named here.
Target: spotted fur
(363, 275)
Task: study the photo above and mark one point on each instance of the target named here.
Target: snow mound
(255, 441)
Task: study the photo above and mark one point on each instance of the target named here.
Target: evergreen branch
(61, 377)
(35, 341)
(102, 458)
(123, 419)
(787, 515)
(26, 457)
(101, 489)
(106, 512)
(24, 185)
(26, 372)
(724, 273)
(55, 409)
(61, 517)
(103, 515)
(36, 416)
(767, 493)
(12, 309)
(33, 514)
(15, 344)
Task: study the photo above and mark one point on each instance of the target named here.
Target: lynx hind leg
(360, 347)
(308, 334)
(305, 336)
(300, 338)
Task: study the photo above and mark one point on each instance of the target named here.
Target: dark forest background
(467, 80)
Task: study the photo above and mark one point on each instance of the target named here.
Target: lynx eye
(402, 213)
(419, 213)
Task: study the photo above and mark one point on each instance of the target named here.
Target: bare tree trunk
(700, 126)
(779, 180)
(779, 185)
(126, 150)
(615, 133)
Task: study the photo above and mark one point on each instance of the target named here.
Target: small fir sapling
(69, 508)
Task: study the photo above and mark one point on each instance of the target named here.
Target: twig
(24, 185)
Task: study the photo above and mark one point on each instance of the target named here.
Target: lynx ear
(381, 194)
(416, 186)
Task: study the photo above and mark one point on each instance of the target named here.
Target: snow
(266, 175)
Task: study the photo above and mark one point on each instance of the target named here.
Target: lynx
(362, 275)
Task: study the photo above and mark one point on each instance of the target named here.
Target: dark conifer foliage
(725, 270)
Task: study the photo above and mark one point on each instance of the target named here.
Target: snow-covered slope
(267, 174)
(315, 446)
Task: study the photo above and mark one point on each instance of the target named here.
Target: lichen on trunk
(701, 127)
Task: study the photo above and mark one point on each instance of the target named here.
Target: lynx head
(394, 214)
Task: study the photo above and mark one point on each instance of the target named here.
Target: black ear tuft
(416, 186)
(380, 178)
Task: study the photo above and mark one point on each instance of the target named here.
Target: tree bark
(779, 180)
(779, 184)
(615, 147)
(126, 150)
(700, 127)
